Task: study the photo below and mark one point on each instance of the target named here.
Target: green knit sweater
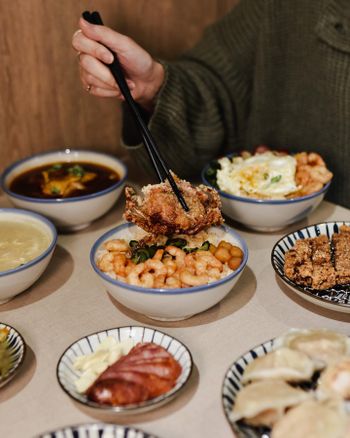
(274, 72)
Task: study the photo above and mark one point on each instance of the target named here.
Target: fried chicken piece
(309, 263)
(298, 262)
(323, 276)
(158, 211)
(341, 244)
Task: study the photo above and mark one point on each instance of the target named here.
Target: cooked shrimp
(118, 245)
(200, 267)
(105, 262)
(120, 262)
(159, 281)
(134, 275)
(320, 174)
(209, 259)
(193, 280)
(129, 267)
(190, 261)
(177, 253)
(315, 159)
(147, 280)
(158, 255)
(171, 266)
(214, 274)
(172, 282)
(155, 267)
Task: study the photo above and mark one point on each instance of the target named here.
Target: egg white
(263, 175)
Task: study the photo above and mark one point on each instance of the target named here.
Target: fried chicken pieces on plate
(158, 211)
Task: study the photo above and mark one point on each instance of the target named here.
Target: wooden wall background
(42, 104)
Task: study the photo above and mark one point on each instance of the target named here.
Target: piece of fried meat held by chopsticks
(158, 211)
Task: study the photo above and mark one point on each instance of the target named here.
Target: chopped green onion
(189, 250)
(205, 246)
(140, 255)
(56, 166)
(76, 170)
(133, 243)
(55, 191)
(177, 241)
(276, 179)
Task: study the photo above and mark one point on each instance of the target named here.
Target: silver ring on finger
(88, 88)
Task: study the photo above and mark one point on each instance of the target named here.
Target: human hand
(144, 75)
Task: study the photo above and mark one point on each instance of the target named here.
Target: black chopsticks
(159, 164)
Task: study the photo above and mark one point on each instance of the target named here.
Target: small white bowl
(168, 304)
(69, 214)
(67, 375)
(335, 298)
(17, 349)
(267, 215)
(17, 280)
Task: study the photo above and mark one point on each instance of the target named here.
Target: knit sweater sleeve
(203, 98)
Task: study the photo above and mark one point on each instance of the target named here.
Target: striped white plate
(231, 386)
(336, 298)
(17, 350)
(97, 430)
(67, 375)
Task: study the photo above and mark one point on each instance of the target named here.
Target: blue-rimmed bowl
(231, 386)
(335, 298)
(97, 430)
(69, 214)
(16, 349)
(67, 375)
(17, 280)
(266, 215)
(168, 304)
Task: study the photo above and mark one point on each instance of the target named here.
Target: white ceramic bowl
(168, 304)
(67, 375)
(267, 214)
(335, 298)
(14, 281)
(74, 213)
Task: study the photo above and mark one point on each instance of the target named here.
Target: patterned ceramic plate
(67, 375)
(97, 430)
(232, 384)
(336, 298)
(17, 348)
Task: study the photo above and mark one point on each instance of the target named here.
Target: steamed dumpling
(263, 403)
(322, 345)
(335, 380)
(314, 419)
(282, 364)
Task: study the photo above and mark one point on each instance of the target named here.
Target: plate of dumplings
(293, 386)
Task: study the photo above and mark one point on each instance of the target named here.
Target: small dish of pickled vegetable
(12, 352)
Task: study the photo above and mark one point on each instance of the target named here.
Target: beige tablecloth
(69, 302)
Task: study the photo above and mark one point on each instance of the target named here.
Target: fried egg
(265, 175)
